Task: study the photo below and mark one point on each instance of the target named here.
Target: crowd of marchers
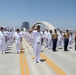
(50, 39)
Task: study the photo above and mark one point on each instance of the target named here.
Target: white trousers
(6, 45)
(70, 43)
(18, 46)
(49, 43)
(37, 49)
(46, 42)
(59, 43)
(2, 46)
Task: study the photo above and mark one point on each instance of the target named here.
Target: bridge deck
(53, 63)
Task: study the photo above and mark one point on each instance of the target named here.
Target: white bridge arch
(48, 25)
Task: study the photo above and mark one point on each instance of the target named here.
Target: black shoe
(54, 50)
(66, 50)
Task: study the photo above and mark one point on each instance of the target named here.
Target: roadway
(53, 63)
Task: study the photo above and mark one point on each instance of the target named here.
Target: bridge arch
(48, 25)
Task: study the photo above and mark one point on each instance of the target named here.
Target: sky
(60, 13)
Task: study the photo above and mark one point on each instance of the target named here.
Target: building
(25, 25)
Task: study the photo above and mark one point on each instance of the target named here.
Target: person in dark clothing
(54, 39)
(75, 41)
(66, 40)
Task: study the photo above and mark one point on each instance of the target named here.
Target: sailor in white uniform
(3, 39)
(46, 37)
(70, 40)
(60, 40)
(17, 38)
(37, 44)
(6, 33)
(50, 39)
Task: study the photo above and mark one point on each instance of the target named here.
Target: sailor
(17, 39)
(54, 39)
(70, 40)
(46, 37)
(36, 43)
(60, 39)
(11, 36)
(6, 33)
(66, 40)
(32, 34)
(42, 37)
(3, 39)
(75, 40)
(50, 39)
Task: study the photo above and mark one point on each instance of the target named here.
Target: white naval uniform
(17, 37)
(46, 38)
(32, 36)
(8, 37)
(60, 40)
(70, 41)
(11, 37)
(36, 45)
(49, 40)
(2, 42)
(6, 43)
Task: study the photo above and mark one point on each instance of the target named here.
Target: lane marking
(53, 65)
(26, 66)
(23, 63)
